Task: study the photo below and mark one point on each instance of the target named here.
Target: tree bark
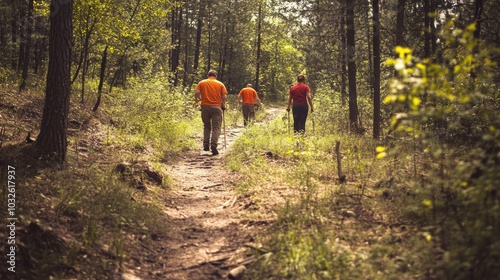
(478, 11)
(101, 79)
(199, 27)
(343, 55)
(427, 29)
(185, 76)
(176, 41)
(400, 22)
(210, 36)
(41, 44)
(376, 69)
(27, 47)
(84, 72)
(52, 140)
(3, 37)
(351, 68)
(433, 26)
(259, 41)
(14, 34)
(22, 34)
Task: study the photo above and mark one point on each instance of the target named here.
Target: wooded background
(410, 88)
(265, 43)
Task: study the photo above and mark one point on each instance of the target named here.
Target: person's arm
(197, 96)
(240, 97)
(223, 101)
(310, 100)
(289, 102)
(257, 99)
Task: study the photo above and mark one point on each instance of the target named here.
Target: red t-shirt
(298, 93)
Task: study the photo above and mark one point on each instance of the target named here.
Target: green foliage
(309, 239)
(426, 202)
(282, 63)
(441, 106)
(153, 115)
(443, 100)
(329, 111)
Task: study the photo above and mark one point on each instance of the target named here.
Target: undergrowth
(89, 217)
(422, 203)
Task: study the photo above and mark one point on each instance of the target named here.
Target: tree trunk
(210, 36)
(14, 34)
(84, 73)
(376, 69)
(199, 27)
(427, 29)
(176, 41)
(259, 41)
(22, 34)
(3, 37)
(343, 56)
(52, 140)
(478, 10)
(185, 76)
(101, 79)
(40, 44)
(351, 67)
(369, 45)
(27, 47)
(400, 23)
(433, 26)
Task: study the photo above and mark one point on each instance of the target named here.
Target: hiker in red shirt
(300, 96)
(248, 96)
(212, 95)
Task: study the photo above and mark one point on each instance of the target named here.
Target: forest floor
(211, 228)
(208, 227)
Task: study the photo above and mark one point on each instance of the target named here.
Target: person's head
(212, 73)
(301, 78)
(249, 85)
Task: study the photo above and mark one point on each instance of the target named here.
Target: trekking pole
(224, 125)
(313, 122)
(288, 122)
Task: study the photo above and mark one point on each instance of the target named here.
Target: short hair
(212, 73)
(301, 78)
(249, 85)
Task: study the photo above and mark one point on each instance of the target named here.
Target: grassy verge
(375, 225)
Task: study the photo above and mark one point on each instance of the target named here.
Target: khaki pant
(212, 120)
(248, 113)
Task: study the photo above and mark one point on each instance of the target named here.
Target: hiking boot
(206, 148)
(214, 151)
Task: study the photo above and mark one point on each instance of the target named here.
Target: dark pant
(248, 113)
(212, 120)
(299, 117)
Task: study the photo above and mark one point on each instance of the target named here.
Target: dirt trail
(208, 233)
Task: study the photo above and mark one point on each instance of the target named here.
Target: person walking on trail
(300, 96)
(248, 96)
(212, 94)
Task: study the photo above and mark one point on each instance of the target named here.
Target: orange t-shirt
(211, 91)
(248, 95)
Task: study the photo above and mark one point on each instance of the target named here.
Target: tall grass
(153, 116)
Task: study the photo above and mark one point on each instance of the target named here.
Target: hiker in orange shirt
(248, 96)
(212, 95)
